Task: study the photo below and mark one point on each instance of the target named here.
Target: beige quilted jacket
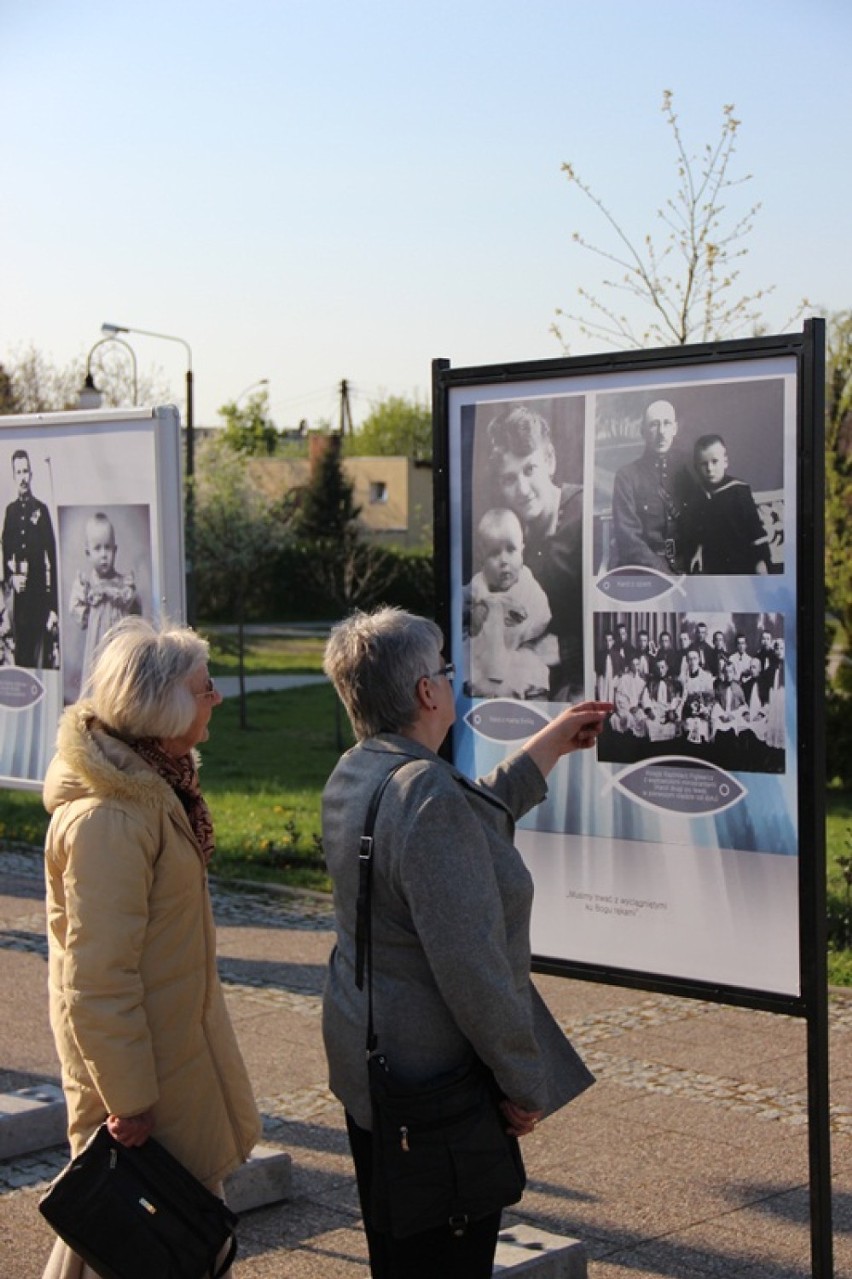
(136, 1006)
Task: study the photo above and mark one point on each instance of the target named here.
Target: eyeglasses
(210, 689)
(449, 671)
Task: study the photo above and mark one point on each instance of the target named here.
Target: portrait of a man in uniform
(29, 571)
(650, 494)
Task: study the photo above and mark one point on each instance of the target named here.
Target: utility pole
(345, 409)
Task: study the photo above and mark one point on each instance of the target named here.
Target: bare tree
(36, 385)
(237, 535)
(349, 571)
(688, 277)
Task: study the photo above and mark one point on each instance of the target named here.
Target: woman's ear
(425, 695)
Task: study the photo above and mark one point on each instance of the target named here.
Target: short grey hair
(375, 660)
(137, 685)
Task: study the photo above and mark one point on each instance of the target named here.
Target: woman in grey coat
(451, 901)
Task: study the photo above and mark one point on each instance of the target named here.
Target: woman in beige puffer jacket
(137, 1011)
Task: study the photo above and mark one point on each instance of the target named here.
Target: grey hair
(137, 685)
(375, 660)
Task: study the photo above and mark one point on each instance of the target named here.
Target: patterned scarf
(181, 774)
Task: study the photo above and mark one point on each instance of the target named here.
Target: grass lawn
(839, 845)
(264, 784)
(294, 655)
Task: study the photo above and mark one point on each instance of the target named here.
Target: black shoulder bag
(441, 1152)
(134, 1211)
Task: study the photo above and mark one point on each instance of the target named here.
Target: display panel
(91, 503)
(628, 528)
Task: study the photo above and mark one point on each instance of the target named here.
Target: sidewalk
(687, 1159)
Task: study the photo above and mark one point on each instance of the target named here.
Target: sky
(313, 190)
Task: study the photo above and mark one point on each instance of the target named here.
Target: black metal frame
(808, 348)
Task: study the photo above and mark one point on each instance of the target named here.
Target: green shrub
(300, 583)
(838, 738)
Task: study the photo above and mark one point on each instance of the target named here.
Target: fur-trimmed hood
(89, 762)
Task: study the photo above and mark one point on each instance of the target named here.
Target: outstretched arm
(576, 728)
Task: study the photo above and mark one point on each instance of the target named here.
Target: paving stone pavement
(688, 1157)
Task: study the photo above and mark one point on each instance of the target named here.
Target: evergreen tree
(326, 510)
(337, 563)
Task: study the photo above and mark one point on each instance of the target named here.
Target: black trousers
(431, 1253)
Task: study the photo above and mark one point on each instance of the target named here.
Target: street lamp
(189, 467)
(90, 397)
(264, 381)
(112, 329)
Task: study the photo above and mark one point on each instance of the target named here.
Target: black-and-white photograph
(29, 625)
(690, 479)
(522, 548)
(105, 571)
(708, 685)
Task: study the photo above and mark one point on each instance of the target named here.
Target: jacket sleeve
(517, 782)
(457, 907)
(107, 879)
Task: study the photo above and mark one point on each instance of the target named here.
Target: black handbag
(134, 1211)
(441, 1152)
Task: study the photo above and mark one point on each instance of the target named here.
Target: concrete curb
(527, 1250)
(31, 1119)
(266, 1178)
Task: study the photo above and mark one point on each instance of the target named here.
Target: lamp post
(252, 386)
(90, 397)
(189, 465)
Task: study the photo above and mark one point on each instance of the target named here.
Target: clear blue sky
(307, 190)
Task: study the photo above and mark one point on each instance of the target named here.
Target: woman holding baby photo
(522, 464)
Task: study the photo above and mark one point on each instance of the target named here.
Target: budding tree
(686, 278)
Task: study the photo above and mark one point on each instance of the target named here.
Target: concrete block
(265, 1179)
(527, 1250)
(31, 1119)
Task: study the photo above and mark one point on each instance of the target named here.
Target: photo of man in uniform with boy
(690, 479)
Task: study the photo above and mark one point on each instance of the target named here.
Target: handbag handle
(363, 909)
(226, 1264)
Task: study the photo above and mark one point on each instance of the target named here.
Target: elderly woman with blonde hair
(139, 1019)
(451, 902)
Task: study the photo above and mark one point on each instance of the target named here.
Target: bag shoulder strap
(363, 911)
